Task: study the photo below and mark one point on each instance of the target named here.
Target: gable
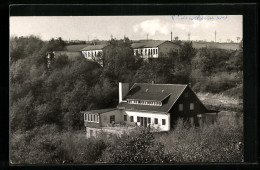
(186, 101)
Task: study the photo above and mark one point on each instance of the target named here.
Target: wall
(91, 54)
(105, 117)
(146, 55)
(160, 116)
(72, 55)
(167, 47)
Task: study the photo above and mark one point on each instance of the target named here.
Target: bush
(218, 142)
(49, 145)
(137, 147)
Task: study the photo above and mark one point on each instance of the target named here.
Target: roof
(150, 44)
(147, 44)
(169, 93)
(75, 47)
(149, 96)
(100, 111)
(94, 47)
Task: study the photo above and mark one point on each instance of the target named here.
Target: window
(97, 118)
(186, 94)
(191, 106)
(94, 118)
(112, 119)
(180, 107)
(91, 117)
(88, 117)
(155, 121)
(125, 117)
(163, 122)
(153, 51)
(156, 51)
(131, 118)
(138, 119)
(149, 120)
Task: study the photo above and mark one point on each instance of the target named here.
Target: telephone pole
(215, 35)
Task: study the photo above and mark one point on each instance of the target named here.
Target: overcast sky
(134, 27)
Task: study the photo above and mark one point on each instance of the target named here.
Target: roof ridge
(163, 84)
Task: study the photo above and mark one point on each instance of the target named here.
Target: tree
(238, 38)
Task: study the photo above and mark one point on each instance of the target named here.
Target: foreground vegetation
(45, 102)
(218, 142)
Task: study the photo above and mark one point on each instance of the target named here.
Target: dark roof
(150, 44)
(94, 47)
(155, 92)
(147, 44)
(100, 111)
(75, 47)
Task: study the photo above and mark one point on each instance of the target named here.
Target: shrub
(218, 142)
(137, 147)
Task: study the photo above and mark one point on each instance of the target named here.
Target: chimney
(153, 82)
(190, 84)
(123, 90)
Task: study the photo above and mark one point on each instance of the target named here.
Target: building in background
(155, 49)
(72, 51)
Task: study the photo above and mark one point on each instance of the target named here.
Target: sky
(200, 27)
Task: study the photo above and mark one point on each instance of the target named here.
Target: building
(92, 51)
(153, 106)
(154, 49)
(72, 51)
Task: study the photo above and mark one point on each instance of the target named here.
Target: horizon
(88, 28)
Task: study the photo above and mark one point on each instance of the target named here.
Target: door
(142, 119)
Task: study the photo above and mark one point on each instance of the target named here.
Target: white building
(153, 106)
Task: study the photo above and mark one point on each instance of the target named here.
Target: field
(226, 46)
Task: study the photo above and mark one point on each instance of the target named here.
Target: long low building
(155, 49)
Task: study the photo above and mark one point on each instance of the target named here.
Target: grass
(221, 102)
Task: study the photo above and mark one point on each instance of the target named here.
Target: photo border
(250, 62)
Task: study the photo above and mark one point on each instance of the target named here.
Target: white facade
(91, 54)
(147, 52)
(132, 119)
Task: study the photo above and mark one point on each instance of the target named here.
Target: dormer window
(145, 102)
